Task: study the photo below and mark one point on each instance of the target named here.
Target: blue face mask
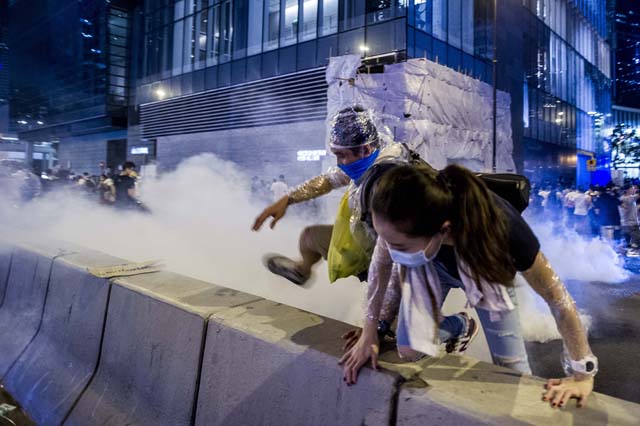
(410, 260)
(416, 259)
(356, 169)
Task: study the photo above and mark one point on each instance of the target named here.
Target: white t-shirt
(279, 190)
(582, 202)
(545, 196)
(570, 199)
(628, 210)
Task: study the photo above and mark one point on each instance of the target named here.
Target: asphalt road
(614, 335)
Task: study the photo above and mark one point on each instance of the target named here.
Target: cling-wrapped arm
(318, 186)
(378, 279)
(392, 297)
(547, 284)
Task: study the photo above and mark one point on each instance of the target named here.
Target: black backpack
(512, 187)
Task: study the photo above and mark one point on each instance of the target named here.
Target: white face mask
(416, 259)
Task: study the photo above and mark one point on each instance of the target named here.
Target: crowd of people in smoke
(109, 188)
(268, 191)
(609, 212)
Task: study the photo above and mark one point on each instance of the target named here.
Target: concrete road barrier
(270, 364)
(454, 390)
(153, 342)
(164, 349)
(23, 304)
(55, 369)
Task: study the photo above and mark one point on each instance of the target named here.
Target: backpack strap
(367, 184)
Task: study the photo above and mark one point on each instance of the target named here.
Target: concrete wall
(265, 152)
(83, 153)
(164, 349)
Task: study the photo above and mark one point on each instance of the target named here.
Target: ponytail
(479, 227)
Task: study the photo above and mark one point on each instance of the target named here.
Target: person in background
(125, 187)
(279, 188)
(569, 204)
(582, 205)
(629, 220)
(607, 214)
(106, 190)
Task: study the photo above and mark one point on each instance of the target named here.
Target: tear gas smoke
(200, 227)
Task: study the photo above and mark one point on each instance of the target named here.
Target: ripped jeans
(504, 336)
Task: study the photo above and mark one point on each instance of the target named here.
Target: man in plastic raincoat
(348, 244)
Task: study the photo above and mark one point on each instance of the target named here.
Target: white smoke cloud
(200, 227)
(574, 258)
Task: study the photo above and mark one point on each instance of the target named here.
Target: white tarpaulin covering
(442, 114)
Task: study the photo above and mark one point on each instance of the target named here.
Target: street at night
(319, 212)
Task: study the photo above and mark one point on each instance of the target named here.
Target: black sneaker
(285, 267)
(461, 343)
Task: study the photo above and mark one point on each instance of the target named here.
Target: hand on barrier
(275, 210)
(366, 348)
(560, 391)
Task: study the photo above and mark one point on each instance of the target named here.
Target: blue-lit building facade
(245, 79)
(69, 85)
(4, 67)
(626, 44)
(196, 56)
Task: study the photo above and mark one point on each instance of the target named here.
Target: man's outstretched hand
(275, 210)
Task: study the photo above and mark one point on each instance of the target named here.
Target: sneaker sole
(294, 276)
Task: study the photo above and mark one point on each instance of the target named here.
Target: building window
(467, 26)
(271, 24)
(214, 44)
(329, 17)
(309, 25)
(178, 10)
(189, 53)
(352, 14)
(226, 28)
(255, 27)
(379, 10)
(423, 12)
(239, 29)
(178, 37)
(203, 37)
(440, 19)
(289, 33)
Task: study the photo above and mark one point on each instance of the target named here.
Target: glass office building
(553, 57)
(4, 68)
(73, 60)
(626, 32)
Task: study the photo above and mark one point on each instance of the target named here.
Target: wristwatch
(587, 365)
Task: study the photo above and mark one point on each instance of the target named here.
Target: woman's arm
(547, 284)
(367, 346)
(581, 365)
(378, 279)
